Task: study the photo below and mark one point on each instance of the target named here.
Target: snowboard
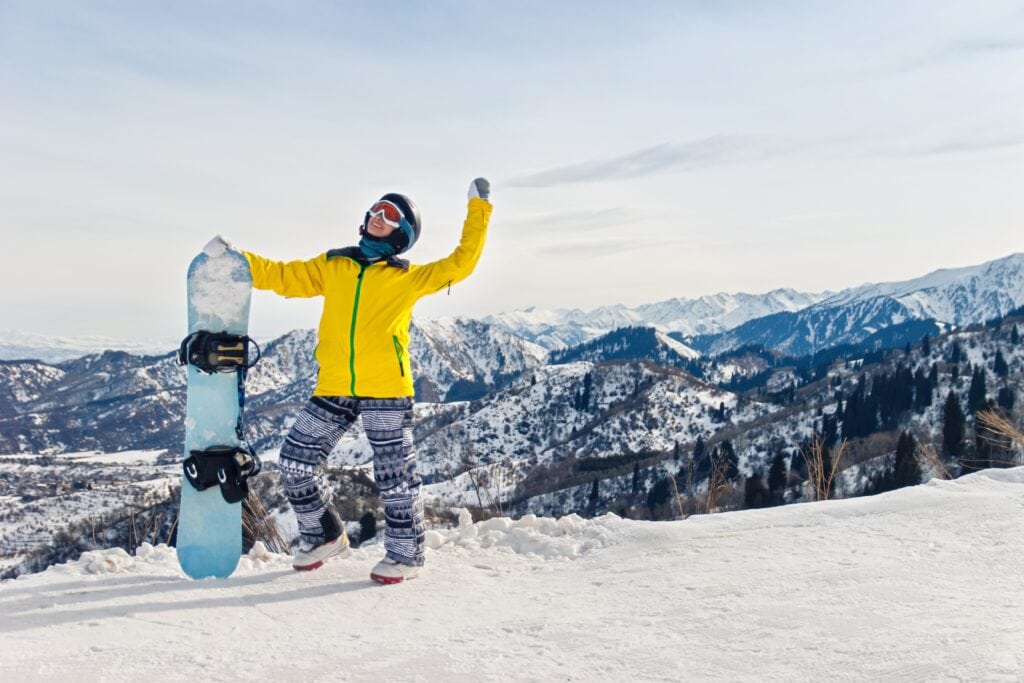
(209, 541)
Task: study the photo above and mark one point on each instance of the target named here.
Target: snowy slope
(918, 584)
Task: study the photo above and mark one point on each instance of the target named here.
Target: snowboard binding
(213, 352)
(226, 466)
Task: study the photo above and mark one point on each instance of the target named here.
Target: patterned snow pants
(388, 425)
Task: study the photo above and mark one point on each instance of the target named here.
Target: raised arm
(460, 263)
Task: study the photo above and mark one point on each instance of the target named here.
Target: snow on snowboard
(216, 461)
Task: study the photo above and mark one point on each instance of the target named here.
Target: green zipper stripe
(352, 332)
(398, 352)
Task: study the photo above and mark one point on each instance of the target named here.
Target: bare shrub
(821, 472)
(996, 429)
(929, 460)
(717, 484)
(257, 525)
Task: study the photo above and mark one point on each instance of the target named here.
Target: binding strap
(213, 352)
(226, 466)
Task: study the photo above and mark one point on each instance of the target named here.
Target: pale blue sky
(638, 151)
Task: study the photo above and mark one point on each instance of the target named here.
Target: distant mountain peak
(563, 328)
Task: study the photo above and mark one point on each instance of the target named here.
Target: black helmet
(401, 239)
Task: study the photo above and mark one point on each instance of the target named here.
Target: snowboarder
(369, 293)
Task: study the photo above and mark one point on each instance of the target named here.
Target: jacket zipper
(352, 331)
(398, 352)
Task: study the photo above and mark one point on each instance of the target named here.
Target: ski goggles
(391, 214)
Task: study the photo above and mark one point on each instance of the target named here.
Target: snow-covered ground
(919, 584)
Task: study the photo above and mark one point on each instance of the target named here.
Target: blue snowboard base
(209, 541)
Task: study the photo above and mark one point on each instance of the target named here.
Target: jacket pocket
(398, 353)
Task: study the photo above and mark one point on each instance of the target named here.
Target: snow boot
(312, 556)
(388, 571)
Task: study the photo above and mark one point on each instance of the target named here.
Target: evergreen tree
(729, 460)
(922, 391)
(636, 477)
(826, 466)
(777, 475)
(999, 366)
(857, 420)
(982, 455)
(592, 501)
(659, 494)
(698, 449)
(892, 396)
(1005, 400)
(953, 426)
(993, 449)
(1014, 335)
(976, 394)
(798, 464)
(906, 470)
(926, 346)
(830, 428)
(755, 492)
(956, 353)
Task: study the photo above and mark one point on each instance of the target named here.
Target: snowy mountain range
(784, 320)
(564, 328)
(589, 433)
(116, 400)
(956, 296)
(19, 345)
(792, 322)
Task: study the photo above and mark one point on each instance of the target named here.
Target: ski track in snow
(918, 584)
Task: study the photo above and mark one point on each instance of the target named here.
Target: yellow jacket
(364, 329)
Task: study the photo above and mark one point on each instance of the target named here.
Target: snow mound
(568, 537)
(159, 559)
(882, 588)
(117, 561)
(565, 538)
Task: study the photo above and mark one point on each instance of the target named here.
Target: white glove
(216, 247)
(481, 188)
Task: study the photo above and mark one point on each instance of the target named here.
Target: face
(376, 226)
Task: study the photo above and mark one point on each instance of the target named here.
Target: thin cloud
(976, 145)
(986, 46)
(669, 155)
(983, 142)
(967, 48)
(589, 249)
(579, 220)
